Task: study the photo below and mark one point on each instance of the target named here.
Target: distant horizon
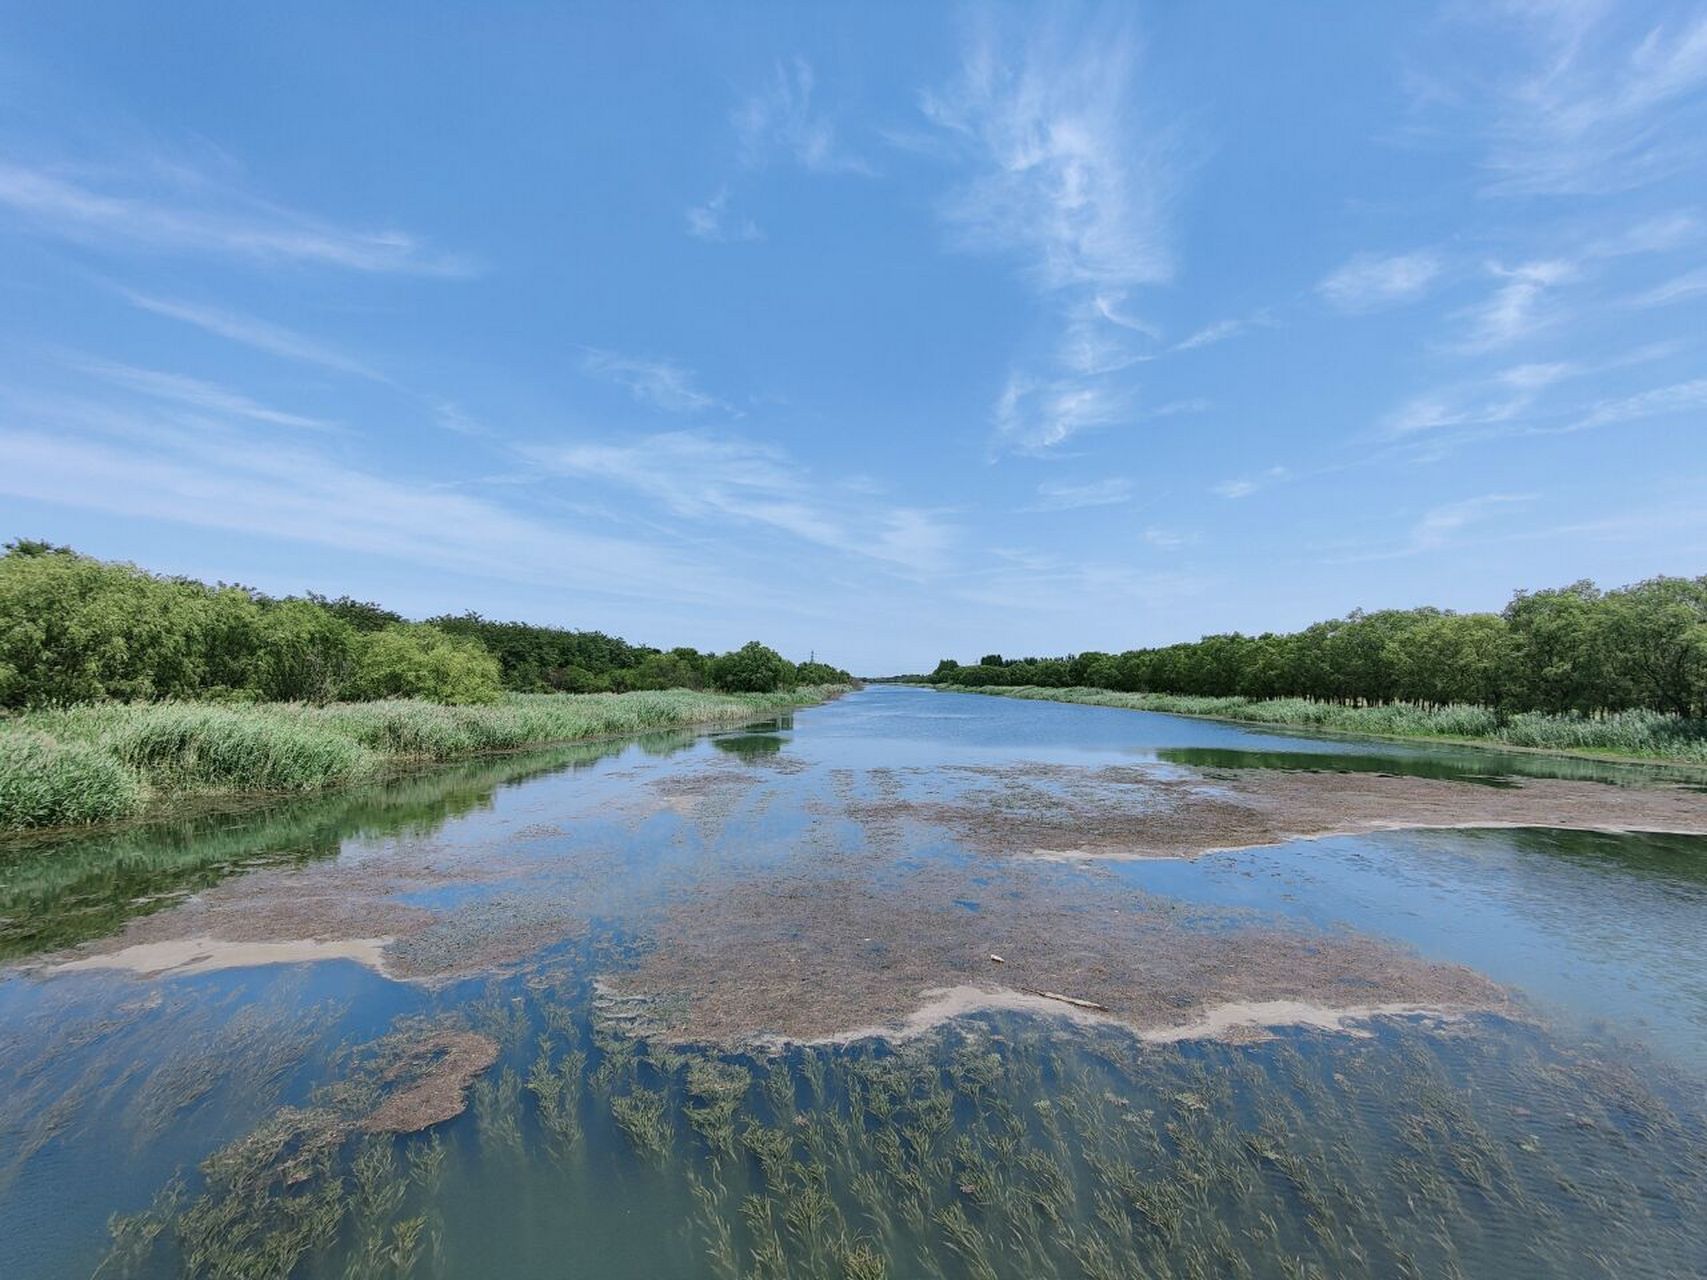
(888, 334)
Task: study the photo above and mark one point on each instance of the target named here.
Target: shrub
(753, 668)
(419, 661)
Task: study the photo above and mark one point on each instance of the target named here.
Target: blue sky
(884, 331)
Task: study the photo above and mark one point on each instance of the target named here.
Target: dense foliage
(1574, 650)
(75, 629)
(538, 659)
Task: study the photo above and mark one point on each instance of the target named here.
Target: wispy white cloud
(1479, 403)
(1032, 416)
(211, 481)
(781, 121)
(1167, 539)
(1515, 309)
(1210, 334)
(1659, 234)
(251, 332)
(1055, 495)
(1063, 172)
(194, 393)
(1687, 285)
(1018, 582)
(1245, 486)
(1370, 281)
(453, 417)
(1527, 400)
(1681, 397)
(711, 478)
(715, 222)
(1614, 97)
(1441, 525)
(1096, 339)
(1112, 308)
(1036, 417)
(180, 212)
(663, 384)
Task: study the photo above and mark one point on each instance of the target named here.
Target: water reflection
(1468, 769)
(749, 746)
(59, 890)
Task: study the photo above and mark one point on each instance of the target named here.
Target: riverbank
(103, 762)
(1643, 737)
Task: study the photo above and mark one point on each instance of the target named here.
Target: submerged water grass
(1642, 734)
(99, 762)
(994, 1148)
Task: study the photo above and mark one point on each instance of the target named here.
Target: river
(785, 1000)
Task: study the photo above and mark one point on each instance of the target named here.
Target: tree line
(76, 629)
(1571, 649)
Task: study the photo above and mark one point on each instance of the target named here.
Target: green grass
(1646, 735)
(111, 760)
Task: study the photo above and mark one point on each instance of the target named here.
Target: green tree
(304, 653)
(820, 673)
(1559, 649)
(753, 668)
(1656, 641)
(416, 660)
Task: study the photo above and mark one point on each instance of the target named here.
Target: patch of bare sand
(183, 956)
(344, 910)
(1238, 1020)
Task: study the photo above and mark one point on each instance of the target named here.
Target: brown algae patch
(812, 958)
(428, 1081)
(1057, 813)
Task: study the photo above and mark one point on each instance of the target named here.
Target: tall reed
(1642, 734)
(101, 761)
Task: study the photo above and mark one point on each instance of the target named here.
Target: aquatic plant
(557, 1094)
(497, 1108)
(717, 1089)
(1309, 1155)
(640, 1116)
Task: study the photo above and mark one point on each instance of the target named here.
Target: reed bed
(100, 762)
(1637, 734)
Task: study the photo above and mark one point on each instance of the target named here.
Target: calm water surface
(214, 1113)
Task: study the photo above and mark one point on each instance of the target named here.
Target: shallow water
(1565, 1134)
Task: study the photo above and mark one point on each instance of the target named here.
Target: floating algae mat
(727, 1006)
